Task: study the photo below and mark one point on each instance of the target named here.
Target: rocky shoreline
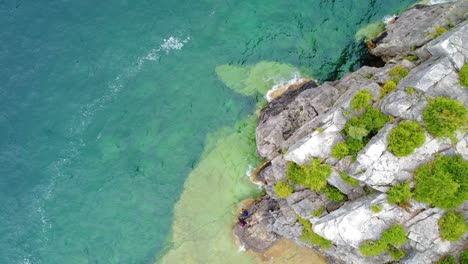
(428, 44)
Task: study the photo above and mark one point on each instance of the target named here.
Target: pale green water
(106, 107)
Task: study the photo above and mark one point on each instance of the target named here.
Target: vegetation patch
(410, 90)
(360, 129)
(447, 260)
(443, 116)
(399, 194)
(405, 138)
(369, 76)
(438, 32)
(361, 100)
(318, 212)
(283, 189)
(464, 257)
(348, 179)
(313, 177)
(377, 208)
(464, 75)
(333, 194)
(452, 226)
(340, 150)
(310, 237)
(320, 130)
(399, 72)
(442, 182)
(412, 58)
(397, 254)
(388, 87)
(391, 240)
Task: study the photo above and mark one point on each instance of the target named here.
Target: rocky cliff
(425, 48)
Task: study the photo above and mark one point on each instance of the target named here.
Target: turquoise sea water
(105, 107)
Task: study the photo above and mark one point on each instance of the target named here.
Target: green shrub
(388, 87)
(283, 189)
(372, 248)
(369, 76)
(391, 239)
(464, 257)
(340, 150)
(410, 90)
(447, 260)
(443, 116)
(464, 75)
(439, 31)
(313, 177)
(399, 194)
(395, 236)
(412, 58)
(333, 194)
(357, 132)
(442, 182)
(397, 254)
(405, 138)
(360, 129)
(320, 130)
(361, 100)
(452, 226)
(399, 72)
(377, 208)
(318, 212)
(348, 179)
(310, 237)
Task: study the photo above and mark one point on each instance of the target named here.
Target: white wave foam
(241, 248)
(296, 78)
(173, 43)
(388, 18)
(249, 174)
(434, 2)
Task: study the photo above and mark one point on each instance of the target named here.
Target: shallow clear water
(106, 106)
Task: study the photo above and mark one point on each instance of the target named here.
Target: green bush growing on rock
(357, 132)
(313, 177)
(369, 76)
(442, 182)
(443, 116)
(333, 194)
(388, 87)
(376, 208)
(360, 129)
(318, 212)
(463, 74)
(340, 150)
(283, 189)
(410, 90)
(452, 226)
(399, 194)
(399, 72)
(412, 58)
(439, 31)
(310, 237)
(397, 254)
(464, 257)
(348, 179)
(405, 138)
(447, 260)
(361, 100)
(391, 239)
